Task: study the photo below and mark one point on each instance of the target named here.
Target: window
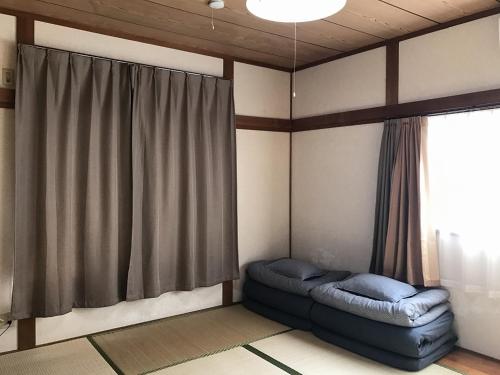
(464, 198)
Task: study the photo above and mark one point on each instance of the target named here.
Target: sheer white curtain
(464, 198)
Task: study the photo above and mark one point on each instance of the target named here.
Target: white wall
(263, 166)
(7, 44)
(353, 82)
(66, 38)
(263, 196)
(334, 182)
(261, 91)
(461, 59)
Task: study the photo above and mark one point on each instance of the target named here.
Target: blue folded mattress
(264, 273)
(381, 355)
(414, 311)
(418, 342)
(277, 315)
(292, 304)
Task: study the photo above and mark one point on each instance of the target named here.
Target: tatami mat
(238, 361)
(75, 357)
(307, 354)
(175, 340)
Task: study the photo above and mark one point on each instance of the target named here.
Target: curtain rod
(121, 61)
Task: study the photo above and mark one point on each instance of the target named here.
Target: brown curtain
(184, 212)
(397, 250)
(119, 196)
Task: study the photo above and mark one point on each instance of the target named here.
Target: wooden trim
(26, 334)
(227, 286)
(7, 98)
(392, 74)
(227, 293)
(263, 123)
(455, 103)
(136, 38)
(26, 328)
(25, 29)
(427, 30)
(228, 69)
(290, 172)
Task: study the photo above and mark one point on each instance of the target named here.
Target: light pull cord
(294, 57)
(213, 26)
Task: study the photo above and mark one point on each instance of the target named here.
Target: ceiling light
(216, 4)
(294, 10)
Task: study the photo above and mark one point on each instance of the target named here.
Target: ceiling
(186, 24)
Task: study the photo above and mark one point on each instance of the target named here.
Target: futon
(383, 356)
(279, 289)
(380, 318)
(414, 311)
(411, 342)
(384, 319)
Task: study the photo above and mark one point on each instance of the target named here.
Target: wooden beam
(455, 103)
(227, 293)
(227, 286)
(292, 77)
(228, 69)
(26, 338)
(7, 98)
(263, 123)
(25, 29)
(26, 328)
(392, 73)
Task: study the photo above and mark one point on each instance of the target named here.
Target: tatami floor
(229, 340)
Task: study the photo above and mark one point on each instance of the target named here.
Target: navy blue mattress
(417, 342)
(292, 304)
(384, 356)
(277, 315)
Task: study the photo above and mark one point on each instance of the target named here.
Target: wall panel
(457, 60)
(66, 38)
(334, 181)
(7, 44)
(261, 91)
(353, 82)
(263, 199)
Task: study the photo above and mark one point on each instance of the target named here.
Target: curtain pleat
(73, 182)
(184, 211)
(387, 159)
(125, 182)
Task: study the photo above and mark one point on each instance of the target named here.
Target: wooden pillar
(227, 286)
(26, 328)
(392, 73)
(25, 30)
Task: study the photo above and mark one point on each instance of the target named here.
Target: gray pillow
(295, 269)
(378, 287)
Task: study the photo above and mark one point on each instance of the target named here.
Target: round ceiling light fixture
(294, 10)
(216, 4)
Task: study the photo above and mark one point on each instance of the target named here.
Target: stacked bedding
(280, 289)
(384, 319)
